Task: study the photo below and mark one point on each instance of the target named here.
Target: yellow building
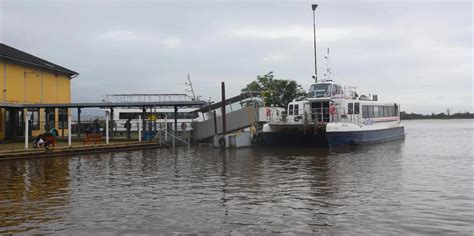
(27, 79)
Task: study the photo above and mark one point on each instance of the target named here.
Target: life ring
(222, 142)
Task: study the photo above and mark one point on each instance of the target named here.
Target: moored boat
(334, 115)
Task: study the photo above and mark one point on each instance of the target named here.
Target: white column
(26, 127)
(139, 128)
(69, 130)
(107, 127)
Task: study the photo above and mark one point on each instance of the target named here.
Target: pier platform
(9, 151)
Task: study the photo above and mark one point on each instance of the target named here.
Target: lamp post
(314, 6)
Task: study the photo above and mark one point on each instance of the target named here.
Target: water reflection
(369, 189)
(33, 192)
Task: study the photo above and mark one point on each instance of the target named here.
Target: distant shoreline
(437, 118)
(440, 116)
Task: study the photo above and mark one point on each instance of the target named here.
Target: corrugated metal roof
(14, 54)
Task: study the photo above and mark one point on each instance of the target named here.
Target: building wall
(21, 83)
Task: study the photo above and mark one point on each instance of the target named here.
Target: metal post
(107, 127)
(62, 125)
(112, 123)
(166, 128)
(224, 123)
(139, 129)
(143, 118)
(215, 122)
(79, 122)
(175, 125)
(26, 128)
(69, 129)
(314, 6)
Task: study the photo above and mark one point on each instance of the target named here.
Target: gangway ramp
(236, 119)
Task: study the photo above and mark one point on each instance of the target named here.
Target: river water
(422, 185)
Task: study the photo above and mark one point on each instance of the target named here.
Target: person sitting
(54, 132)
(43, 140)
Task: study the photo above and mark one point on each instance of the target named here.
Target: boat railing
(322, 115)
(350, 92)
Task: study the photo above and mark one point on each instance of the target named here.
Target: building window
(356, 108)
(350, 108)
(34, 118)
(62, 118)
(49, 114)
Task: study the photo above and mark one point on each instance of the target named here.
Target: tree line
(442, 115)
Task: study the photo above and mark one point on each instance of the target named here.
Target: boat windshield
(319, 90)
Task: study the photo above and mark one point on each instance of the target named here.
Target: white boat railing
(322, 115)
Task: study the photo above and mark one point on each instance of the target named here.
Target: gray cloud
(416, 53)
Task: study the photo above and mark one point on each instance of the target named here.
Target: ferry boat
(333, 115)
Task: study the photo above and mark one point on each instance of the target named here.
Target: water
(421, 185)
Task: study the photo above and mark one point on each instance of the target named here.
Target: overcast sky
(418, 53)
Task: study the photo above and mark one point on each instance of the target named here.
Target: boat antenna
(328, 68)
(191, 89)
(314, 6)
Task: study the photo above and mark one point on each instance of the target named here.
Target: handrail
(177, 138)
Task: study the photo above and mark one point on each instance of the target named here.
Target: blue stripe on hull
(362, 137)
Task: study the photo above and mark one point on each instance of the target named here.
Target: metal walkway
(245, 115)
(240, 119)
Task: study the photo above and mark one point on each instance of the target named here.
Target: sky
(416, 53)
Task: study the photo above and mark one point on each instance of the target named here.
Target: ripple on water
(420, 185)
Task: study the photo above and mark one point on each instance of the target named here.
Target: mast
(328, 68)
(191, 89)
(314, 6)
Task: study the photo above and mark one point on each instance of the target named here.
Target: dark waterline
(424, 184)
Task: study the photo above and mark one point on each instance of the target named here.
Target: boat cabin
(347, 106)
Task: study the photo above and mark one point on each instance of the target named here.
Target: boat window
(365, 111)
(336, 89)
(319, 90)
(381, 111)
(376, 111)
(371, 111)
(290, 109)
(350, 108)
(396, 110)
(296, 109)
(356, 108)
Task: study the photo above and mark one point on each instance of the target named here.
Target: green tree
(276, 92)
